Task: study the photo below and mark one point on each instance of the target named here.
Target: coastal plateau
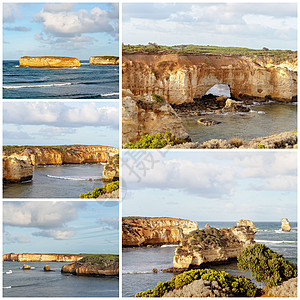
(37, 257)
(180, 78)
(48, 62)
(104, 60)
(18, 161)
(143, 231)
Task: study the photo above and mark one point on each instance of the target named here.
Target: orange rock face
(41, 257)
(154, 231)
(181, 78)
(16, 169)
(48, 62)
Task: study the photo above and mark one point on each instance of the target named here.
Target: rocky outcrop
(111, 169)
(139, 231)
(148, 115)
(180, 78)
(48, 62)
(41, 257)
(285, 225)
(17, 163)
(104, 60)
(213, 246)
(17, 169)
(26, 267)
(234, 106)
(286, 289)
(247, 223)
(47, 268)
(105, 266)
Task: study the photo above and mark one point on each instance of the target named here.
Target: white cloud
(58, 7)
(8, 238)
(109, 223)
(46, 214)
(60, 115)
(10, 10)
(56, 234)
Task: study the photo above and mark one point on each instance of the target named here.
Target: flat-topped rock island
(104, 60)
(48, 62)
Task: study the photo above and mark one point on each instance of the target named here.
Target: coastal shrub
(260, 146)
(108, 188)
(266, 265)
(239, 286)
(155, 141)
(158, 98)
(236, 142)
(99, 259)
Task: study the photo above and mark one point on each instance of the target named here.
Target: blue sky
(61, 227)
(67, 29)
(61, 123)
(250, 25)
(211, 186)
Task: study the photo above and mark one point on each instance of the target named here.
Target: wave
(138, 272)
(276, 242)
(9, 272)
(35, 86)
(109, 94)
(7, 287)
(76, 178)
(168, 246)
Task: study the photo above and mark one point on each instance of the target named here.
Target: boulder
(285, 225)
(207, 122)
(154, 270)
(26, 267)
(234, 106)
(47, 268)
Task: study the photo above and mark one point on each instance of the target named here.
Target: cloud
(60, 115)
(109, 223)
(17, 28)
(56, 234)
(10, 10)
(55, 131)
(58, 7)
(16, 135)
(43, 215)
(8, 238)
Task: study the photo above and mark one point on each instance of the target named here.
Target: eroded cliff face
(143, 115)
(48, 62)
(41, 257)
(111, 169)
(17, 166)
(181, 78)
(138, 231)
(213, 246)
(104, 60)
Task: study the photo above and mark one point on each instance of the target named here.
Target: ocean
(57, 181)
(87, 81)
(264, 119)
(37, 283)
(139, 262)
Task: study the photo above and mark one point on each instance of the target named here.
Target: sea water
(57, 181)
(264, 119)
(86, 81)
(37, 283)
(138, 263)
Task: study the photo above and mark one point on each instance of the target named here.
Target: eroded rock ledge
(181, 78)
(36, 257)
(143, 231)
(213, 246)
(48, 62)
(104, 60)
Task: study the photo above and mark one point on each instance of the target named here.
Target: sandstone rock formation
(17, 166)
(138, 231)
(102, 267)
(48, 62)
(111, 169)
(207, 122)
(288, 288)
(104, 60)
(213, 246)
(41, 257)
(47, 268)
(285, 225)
(26, 267)
(16, 169)
(148, 115)
(234, 106)
(246, 223)
(180, 78)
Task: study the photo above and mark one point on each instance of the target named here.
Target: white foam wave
(167, 246)
(76, 178)
(8, 272)
(261, 112)
(7, 287)
(276, 242)
(138, 272)
(109, 94)
(35, 86)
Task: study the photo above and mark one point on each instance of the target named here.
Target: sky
(250, 25)
(77, 30)
(61, 227)
(61, 123)
(211, 185)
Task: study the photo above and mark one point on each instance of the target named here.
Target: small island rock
(47, 268)
(285, 225)
(48, 62)
(104, 60)
(26, 267)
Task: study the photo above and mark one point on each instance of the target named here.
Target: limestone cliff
(16, 169)
(106, 265)
(138, 231)
(148, 115)
(48, 62)
(213, 246)
(111, 169)
(180, 78)
(285, 225)
(104, 60)
(41, 257)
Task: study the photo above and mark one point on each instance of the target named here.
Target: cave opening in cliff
(219, 90)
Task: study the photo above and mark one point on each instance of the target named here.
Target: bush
(239, 286)
(155, 141)
(260, 146)
(108, 188)
(266, 265)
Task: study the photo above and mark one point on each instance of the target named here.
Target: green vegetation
(108, 188)
(239, 286)
(211, 236)
(155, 141)
(260, 146)
(266, 265)
(158, 98)
(99, 259)
(276, 55)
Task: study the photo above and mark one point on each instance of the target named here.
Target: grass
(99, 259)
(277, 56)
